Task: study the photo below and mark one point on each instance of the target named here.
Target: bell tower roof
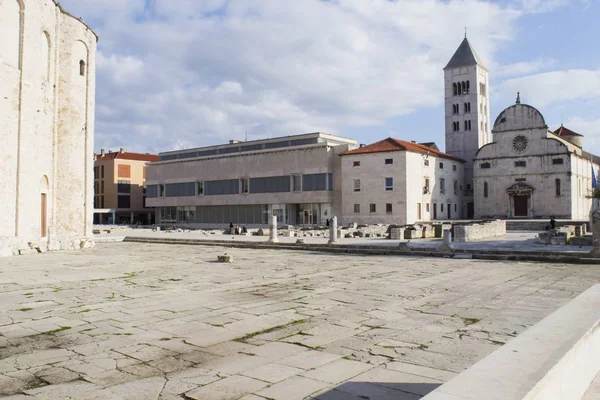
(464, 55)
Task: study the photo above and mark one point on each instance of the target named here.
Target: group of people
(237, 230)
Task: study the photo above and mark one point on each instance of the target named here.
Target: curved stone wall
(46, 126)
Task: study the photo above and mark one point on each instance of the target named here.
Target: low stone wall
(14, 247)
(539, 225)
(556, 359)
(479, 230)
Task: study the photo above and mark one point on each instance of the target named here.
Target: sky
(177, 74)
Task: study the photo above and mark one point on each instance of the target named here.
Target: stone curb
(497, 255)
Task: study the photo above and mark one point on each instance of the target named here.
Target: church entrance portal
(520, 200)
(521, 206)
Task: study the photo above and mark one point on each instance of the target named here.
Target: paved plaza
(147, 321)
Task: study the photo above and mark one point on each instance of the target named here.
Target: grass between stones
(269, 330)
(25, 309)
(470, 321)
(55, 331)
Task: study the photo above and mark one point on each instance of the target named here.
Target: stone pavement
(139, 321)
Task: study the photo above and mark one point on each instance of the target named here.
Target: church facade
(531, 172)
(47, 85)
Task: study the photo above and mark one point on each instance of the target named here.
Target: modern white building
(397, 182)
(47, 86)
(531, 172)
(297, 178)
(466, 93)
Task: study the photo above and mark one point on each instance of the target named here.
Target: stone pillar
(273, 230)
(448, 237)
(333, 231)
(131, 218)
(114, 218)
(447, 246)
(596, 233)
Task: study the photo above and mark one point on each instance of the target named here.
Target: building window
(485, 165)
(455, 88)
(246, 185)
(356, 185)
(297, 183)
(427, 207)
(442, 207)
(82, 72)
(441, 165)
(520, 164)
(199, 188)
(102, 172)
(388, 208)
(161, 191)
(124, 187)
(455, 187)
(357, 209)
(356, 163)
(426, 187)
(520, 180)
(485, 189)
(454, 168)
(556, 161)
(557, 182)
(455, 126)
(482, 89)
(389, 184)
(442, 185)
(123, 201)
(124, 171)
(101, 186)
(389, 161)
(468, 87)
(372, 208)
(426, 162)
(455, 207)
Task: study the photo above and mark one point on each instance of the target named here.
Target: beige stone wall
(46, 125)
(479, 231)
(409, 173)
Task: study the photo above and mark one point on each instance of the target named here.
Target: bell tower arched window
(82, 68)
(455, 88)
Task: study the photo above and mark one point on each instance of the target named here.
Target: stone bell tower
(467, 106)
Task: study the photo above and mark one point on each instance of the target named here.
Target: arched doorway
(44, 206)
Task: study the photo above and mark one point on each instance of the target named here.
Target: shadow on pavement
(378, 391)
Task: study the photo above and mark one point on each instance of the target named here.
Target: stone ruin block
(558, 240)
(397, 233)
(413, 234)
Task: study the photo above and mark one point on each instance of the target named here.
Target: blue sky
(205, 71)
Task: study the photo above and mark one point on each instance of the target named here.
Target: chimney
(121, 150)
(102, 152)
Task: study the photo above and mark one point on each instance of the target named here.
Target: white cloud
(204, 71)
(523, 68)
(549, 88)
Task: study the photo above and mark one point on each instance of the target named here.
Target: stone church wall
(46, 127)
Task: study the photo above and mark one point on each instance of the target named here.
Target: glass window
(199, 188)
(557, 187)
(455, 187)
(102, 172)
(453, 167)
(389, 161)
(388, 208)
(441, 165)
(356, 163)
(520, 164)
(442, 185)
(245, 185)
(124, 187)
(426, 162)
(372, 207)
(356, 185)
(557, 161)
(389, 184)
(123, 201)
(357, 208)
(426, 188)
(161, 190)
(297, 183)
(485, 189)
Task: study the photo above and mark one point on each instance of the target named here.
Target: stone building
(397, 182)
(47, 85)
(296, 178)
(120, 188)
(466, 82)
(531, 172)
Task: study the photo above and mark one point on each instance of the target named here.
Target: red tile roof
(128, 156)
(562, 131)
(391, 144)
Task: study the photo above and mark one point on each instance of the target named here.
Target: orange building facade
(120, 188)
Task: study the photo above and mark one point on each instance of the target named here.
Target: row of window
(272, 184)
(456, 108)
(99, 172)
(373, 208)
(463, 87)
(555, 161)
(387, 161)
(456, 126)
(388, 184)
